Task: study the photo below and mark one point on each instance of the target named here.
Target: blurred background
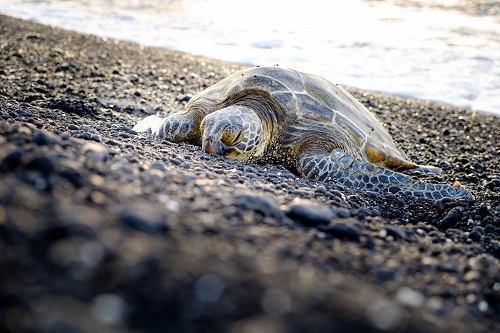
(440, 50)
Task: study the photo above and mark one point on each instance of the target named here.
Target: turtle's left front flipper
(183, 126)
(355, 173)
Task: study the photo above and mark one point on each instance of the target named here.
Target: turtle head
(235, 132)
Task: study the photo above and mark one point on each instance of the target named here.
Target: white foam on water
(425, 53)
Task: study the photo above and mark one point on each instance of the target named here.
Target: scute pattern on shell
(311, 98)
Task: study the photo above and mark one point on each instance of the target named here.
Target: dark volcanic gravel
(105, 230)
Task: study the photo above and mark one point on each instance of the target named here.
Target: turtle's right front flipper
(355, 173)
(178, 127)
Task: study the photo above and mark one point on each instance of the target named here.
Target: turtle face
(234, 132)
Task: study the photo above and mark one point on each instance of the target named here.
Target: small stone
(23, 113)
(42, 164)
(480, 230)
(175, 161)
(46, 139)
(494, 183)
(452, 218)
(127, 129)
(410, 297)
(263, 205)
(73, 176)
(395, 232)
(310, 214)
(64, 136)
(32, 36)
(484, 210)
(95, 150)
(73, 127)
(478, 166)
(11, 161)
(475, 235)
(445, 165)
(109, 308)
(142, 222)
(340, 212)
(185, 98)
(157, 166)
(364, 212)
(472, 276)
(343, 230)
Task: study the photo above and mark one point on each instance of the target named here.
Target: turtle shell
(312, 98)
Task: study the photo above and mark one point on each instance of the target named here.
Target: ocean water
(446, 51)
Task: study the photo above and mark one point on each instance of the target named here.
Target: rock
(23, 113)
(475, 235)
(494, 183)
(343, 230)
(341, 212)
(310, 214)
(95, 150)
(11, 161)
(395, 232)
(479, 230)
(143, 221)
(263, 205)
(42, 164)
(46, 139)
(452, 218)
(157, 166)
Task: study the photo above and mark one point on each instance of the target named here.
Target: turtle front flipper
(178, 127)
(354, 173)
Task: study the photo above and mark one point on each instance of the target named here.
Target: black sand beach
(106, 230)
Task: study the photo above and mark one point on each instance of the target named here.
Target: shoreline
(102, 229)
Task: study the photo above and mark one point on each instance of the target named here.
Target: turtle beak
(213, 146)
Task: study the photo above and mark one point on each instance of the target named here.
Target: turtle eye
(232, 135)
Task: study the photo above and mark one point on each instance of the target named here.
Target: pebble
(158, 166)
(23, 113)
(410, 297)
(95, 150)
(395, 232)
(143, 222)
(73, 176)
(479, 230)
(494, 183)
(185, 98)
(452, 218)
(264, 205)
(340, 212)
(41, 164)
(475, 235)
(11, 161)
(344, 230)
(310, 214)
(46, 139)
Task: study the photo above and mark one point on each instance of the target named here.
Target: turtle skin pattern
(355, 173)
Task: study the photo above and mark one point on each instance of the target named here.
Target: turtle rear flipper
(355, 173)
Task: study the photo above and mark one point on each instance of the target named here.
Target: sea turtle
(312, 127)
